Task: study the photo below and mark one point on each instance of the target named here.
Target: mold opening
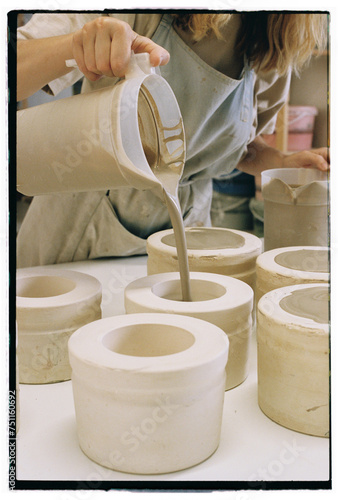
(206, 239)
(308, 260)
(148, 340)
(43, 286)
(311, 303)
(201, 290)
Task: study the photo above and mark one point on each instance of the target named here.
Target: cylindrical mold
(295, 207)
(221, 300)
(288, 266)
(148, 391)
(50, 305)
(293, 357)
(210, 249)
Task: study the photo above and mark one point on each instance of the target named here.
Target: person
(230, 73)
(230, 206)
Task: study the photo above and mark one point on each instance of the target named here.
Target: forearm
(261, 157)
(39, 61)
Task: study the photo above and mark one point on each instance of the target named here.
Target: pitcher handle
(139, 64)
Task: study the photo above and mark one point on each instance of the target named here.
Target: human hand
(103, 47)
(315, 158)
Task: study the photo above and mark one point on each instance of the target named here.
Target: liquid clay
(156, 142)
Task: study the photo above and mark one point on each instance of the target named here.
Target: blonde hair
(269, 40)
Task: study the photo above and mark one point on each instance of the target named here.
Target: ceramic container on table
(291, 266)
(148, 391)
(221, 300)
(295, 207)
(210, 249)
(293, 357)
(50, 305)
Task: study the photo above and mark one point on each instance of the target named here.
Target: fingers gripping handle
(138, 64)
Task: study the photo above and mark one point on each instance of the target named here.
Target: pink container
(302, 118)
(296, 141)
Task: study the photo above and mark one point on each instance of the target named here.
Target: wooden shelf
(282, 128)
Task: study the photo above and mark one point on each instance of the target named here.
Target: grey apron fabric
(217, 114)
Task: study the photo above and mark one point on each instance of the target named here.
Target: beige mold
(50, 305)
(295, 207)
(213, 250)
(148, 391)
(220, 300)
(291, 266)
(293, 357)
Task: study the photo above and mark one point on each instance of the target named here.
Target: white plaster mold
(221, 300)
(291, 266)
(50, 305)
(148, 391)
(293, 357)
(214, 250)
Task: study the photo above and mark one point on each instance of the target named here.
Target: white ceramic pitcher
(130, 134)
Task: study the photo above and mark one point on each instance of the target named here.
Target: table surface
(252, 447)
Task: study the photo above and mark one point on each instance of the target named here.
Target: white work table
(253, 449)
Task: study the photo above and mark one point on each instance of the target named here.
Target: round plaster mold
(293, 357)
(220, 300)
(50, 305)
(214, 250)
(291, 266)
(148, 391)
